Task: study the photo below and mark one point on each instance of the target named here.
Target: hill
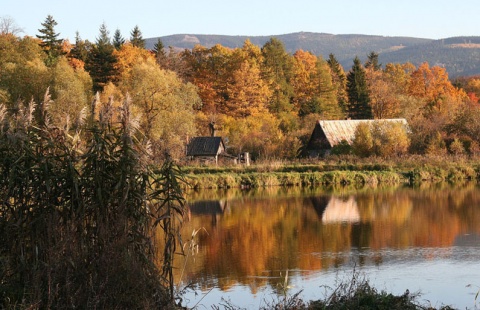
(459, 55)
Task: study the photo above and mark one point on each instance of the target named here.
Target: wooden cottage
(206, 148)
(327, 134)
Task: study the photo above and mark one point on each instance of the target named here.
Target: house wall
(318, 144)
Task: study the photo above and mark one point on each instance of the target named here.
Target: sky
(432, 19)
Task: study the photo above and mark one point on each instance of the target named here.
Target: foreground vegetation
(78, 212)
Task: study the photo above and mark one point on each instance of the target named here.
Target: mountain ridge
(459, 55)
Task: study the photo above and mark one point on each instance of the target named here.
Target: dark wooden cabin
(206, 148)
(327, 134)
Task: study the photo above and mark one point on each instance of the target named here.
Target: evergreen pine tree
(372, 61)
(339, 81)
(358, 94)
(51, 44)
(118, 40)
(80, 49)
(136, 38)
(160, 54)
(278, 71)
(101, 61)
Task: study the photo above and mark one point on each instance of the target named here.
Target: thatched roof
(205, 146)
(336, 131)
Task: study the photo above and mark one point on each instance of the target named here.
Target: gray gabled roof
(205, 146)
(336, 131)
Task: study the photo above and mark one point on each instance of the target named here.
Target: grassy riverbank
(356, 293)
(335, 171)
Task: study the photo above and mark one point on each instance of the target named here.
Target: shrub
(363, 141)
(456, 147)
(342, 148)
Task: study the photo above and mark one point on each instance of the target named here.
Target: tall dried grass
(76, 209)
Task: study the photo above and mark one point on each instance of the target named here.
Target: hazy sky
(433, 19)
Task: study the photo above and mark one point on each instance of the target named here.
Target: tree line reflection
(250, 237)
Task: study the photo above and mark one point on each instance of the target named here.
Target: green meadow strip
(218, 178)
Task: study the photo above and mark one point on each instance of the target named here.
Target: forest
(263, 99)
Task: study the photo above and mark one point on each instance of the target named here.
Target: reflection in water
(340, 210)
(252, 237)
(214, 208)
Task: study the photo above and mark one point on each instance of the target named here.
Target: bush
(381, 138)
(342, 148)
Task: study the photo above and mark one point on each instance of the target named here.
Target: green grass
(335, 170)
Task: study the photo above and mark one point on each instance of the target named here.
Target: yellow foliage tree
(129, 55)
(247, 93)
(258, 134)
(70, 93)
(165, 105)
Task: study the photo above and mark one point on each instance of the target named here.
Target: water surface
(422, 239)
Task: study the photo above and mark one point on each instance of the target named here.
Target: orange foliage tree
(209, 70)
(432, 84)
(313, 88)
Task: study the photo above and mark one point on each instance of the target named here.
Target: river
(425, 239)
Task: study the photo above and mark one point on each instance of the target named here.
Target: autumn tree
(176, 62)
(432, 85)
(304, 82)
(136, 38)
(312, 82)
(358, 95)
(24, 74)
(164, 104)
(471, 85)
(399, 75)
(326, 94)
(466, 123)
(258, 134)
(383, 97)
(118, 39)
(247, 93)
(209, 70)
(71, 93)
(456, 147)
(127, 56)
(436, 145)
(398, 101)
(50, 42)
(101, 61)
